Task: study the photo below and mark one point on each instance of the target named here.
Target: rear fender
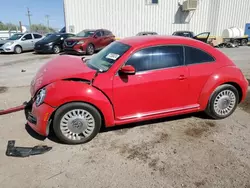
(228, 74)
(61, 92)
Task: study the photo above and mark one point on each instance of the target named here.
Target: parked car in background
(53, 43)
(202, 36)
(146, 33)
(88, 41)
(132, 80)
(48, 34)
(20, 42)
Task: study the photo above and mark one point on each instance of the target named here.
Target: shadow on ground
(245, 105)
(53, 138)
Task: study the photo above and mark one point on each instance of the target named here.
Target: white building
(128, 17)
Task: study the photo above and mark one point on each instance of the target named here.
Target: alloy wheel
(77, 124)
(224, 102)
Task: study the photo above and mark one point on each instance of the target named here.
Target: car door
(99, 40)
(202, 36)
(200, 66)
(108, 37)
(27, 42)
(159, 85)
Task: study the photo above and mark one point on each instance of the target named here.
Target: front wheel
(223, 102)
(56, 49)
(18, 49)
(76, 123)
(90, 49)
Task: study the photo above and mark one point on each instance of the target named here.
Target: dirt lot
(187, 151)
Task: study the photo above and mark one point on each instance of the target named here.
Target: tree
(40, 28)
(7, 26)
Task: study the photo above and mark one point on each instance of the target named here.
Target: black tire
(56, 49)
(90, 49)
(210, 110)
(18, 50)
(236, 42)
(244, 42)
(67, 108)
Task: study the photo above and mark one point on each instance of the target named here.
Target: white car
(20, 42)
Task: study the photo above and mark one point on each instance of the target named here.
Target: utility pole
(47, 20)
(29, 15)
(20, 25)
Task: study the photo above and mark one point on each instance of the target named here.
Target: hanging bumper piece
(25, 151)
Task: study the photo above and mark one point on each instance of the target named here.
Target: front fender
(61, 92)
(228, 74)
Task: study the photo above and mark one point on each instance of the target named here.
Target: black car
(202, 36)
(146, 33)
(52, 43)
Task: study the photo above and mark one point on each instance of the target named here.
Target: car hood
(59, 68)
(4, 41)
(43, 42)
(77, 38)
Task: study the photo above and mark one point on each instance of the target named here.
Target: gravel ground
(184, 151)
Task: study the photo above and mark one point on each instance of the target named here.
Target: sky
(15, 10)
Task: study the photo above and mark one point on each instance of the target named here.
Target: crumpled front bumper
(38, 118)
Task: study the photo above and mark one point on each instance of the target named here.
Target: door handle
(182, 77)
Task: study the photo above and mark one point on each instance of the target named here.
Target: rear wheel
(90, 49)
(76, 123)
(244, 42)
(18, 49)
(223, 102)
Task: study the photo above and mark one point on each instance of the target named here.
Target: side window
(28, 37)
(107, 33)
(36, 36)
(157, 58)
(194, 56)
(99, 34)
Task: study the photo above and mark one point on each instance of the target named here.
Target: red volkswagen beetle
(131, 80)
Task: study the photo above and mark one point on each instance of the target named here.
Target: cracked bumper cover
(38, 118)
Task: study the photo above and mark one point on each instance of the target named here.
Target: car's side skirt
(157, 114)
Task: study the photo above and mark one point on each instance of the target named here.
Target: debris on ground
(25, 151)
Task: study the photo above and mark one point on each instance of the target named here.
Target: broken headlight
(40, 96)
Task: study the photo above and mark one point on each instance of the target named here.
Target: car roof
(140, 41)
(183, 32)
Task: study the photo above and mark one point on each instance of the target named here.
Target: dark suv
(88, 41)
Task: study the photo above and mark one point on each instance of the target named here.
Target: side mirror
(127, 69)
(23, 39)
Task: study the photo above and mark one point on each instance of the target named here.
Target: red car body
(97, 38)
(134, 97)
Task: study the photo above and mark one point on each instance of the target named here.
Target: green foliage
(7, 26)
(40, 28)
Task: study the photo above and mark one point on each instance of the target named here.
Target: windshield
(104, 59)
(15, 37)
(51, 37)
(85, 33)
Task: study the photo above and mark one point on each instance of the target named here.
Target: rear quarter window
(196, 56)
